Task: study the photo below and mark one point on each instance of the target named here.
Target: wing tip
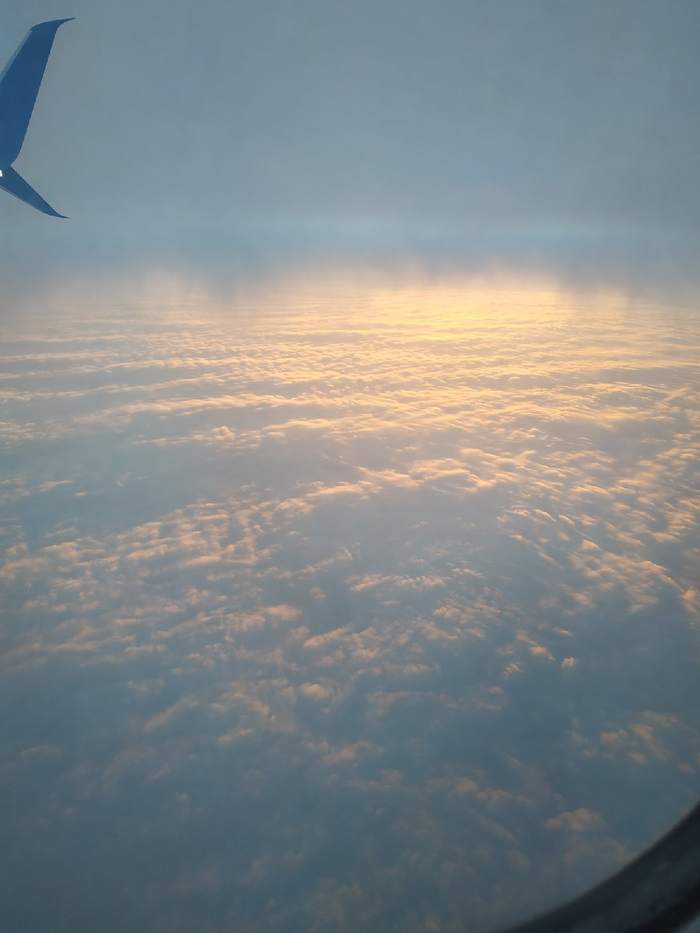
(18, 187)
(46, 208)
(55, 23)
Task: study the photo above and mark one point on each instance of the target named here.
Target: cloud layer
(345, 608)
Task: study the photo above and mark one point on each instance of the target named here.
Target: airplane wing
(19, 85)
(12, 182)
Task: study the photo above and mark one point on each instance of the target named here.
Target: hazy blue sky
(531, 131)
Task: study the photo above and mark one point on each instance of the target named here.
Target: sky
(547, 133)
(349, 433)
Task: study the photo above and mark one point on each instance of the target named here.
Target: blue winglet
(19, 86)
(12, 182)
